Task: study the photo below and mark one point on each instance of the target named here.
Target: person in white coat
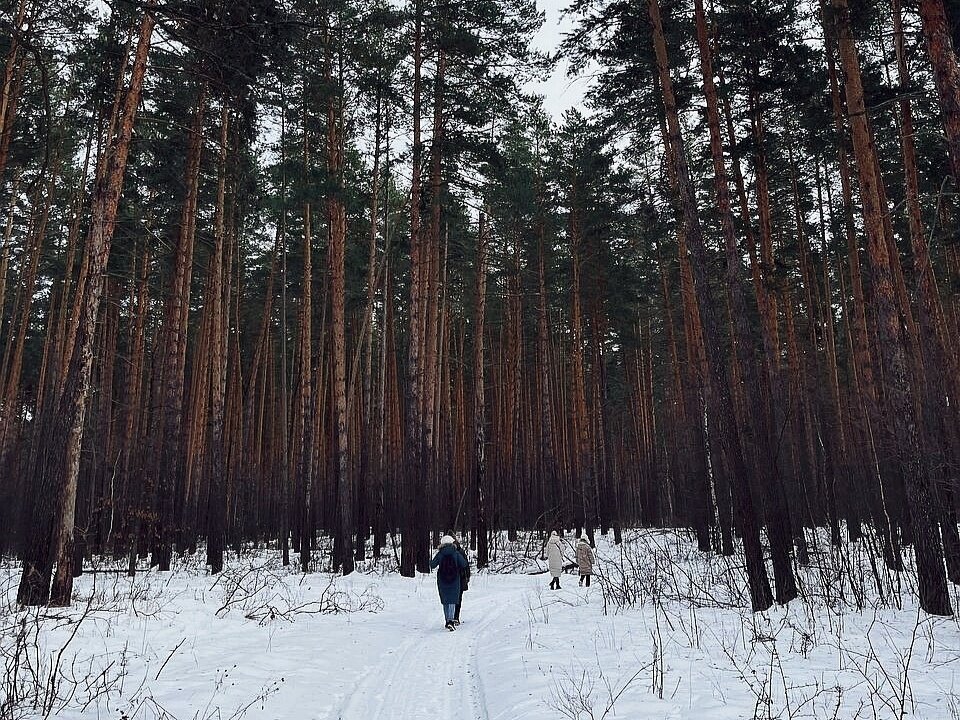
(555, 559)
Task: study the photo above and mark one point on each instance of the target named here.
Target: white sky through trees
(560, 92)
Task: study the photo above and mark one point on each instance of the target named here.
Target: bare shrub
(262, 591)
(41, 680)
(583, 694)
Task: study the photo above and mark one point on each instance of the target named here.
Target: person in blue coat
(449, 564)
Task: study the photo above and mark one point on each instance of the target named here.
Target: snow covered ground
(264, 642)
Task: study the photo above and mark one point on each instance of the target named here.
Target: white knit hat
(446, 540)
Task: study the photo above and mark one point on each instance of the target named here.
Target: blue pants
(449, 611)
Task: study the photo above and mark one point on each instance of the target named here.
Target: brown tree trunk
(584, 514)
(414, 534)
(721, 400)
(166, 435)
(479, 400)
(548, 467)
(898, 394)
(863, 365)
(946, 75)
(304, 405)
(56, 473)
(337, 244)
(743, 342)
(367, 462)
(938, 371)
(13, 71)
(218, 309)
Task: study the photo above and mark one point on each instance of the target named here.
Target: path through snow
(434, 673)
(165, 652)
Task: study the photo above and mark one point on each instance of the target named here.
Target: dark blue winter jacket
(449, 588)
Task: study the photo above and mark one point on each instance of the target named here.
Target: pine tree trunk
(581, 443)
(13, 72)
(218, 309)
(303, 435)
(365, 476)
(723, 410)
(946, 75)
(479, 400)
(58, 475)
(548, 467)
(898, 393)
(940, 417)
(337, 245)
(414, 534)
(866, 391)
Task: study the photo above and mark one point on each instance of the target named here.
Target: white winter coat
(555, 556)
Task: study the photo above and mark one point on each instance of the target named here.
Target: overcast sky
(560, 91)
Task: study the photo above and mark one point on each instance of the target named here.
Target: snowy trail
(433, 674)
(160, 650)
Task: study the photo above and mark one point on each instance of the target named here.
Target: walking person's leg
(448, 610)
(456, 614)
(588, 581)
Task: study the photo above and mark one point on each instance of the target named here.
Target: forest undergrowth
(854, 645)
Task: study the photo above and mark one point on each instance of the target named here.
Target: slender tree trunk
(940, 417)
(723, 410)
(946, 75)
(479, 400)
(304, 408)
(899, 401)
(58, 475)
(581, 449)
(364, 490)
(13, 71)
(337, 244)
(414, 533)
(217, 345)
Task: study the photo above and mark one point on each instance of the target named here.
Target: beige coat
(585, 558)
(554, 556)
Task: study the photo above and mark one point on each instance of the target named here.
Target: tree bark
(760, 595)
(898, 393)
(59, 475)
(337, 216)
(479, 400)
(414, 535)
(946, 75)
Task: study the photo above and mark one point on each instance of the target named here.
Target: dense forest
(291, 271)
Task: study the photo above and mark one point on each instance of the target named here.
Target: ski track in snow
(433, 675)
